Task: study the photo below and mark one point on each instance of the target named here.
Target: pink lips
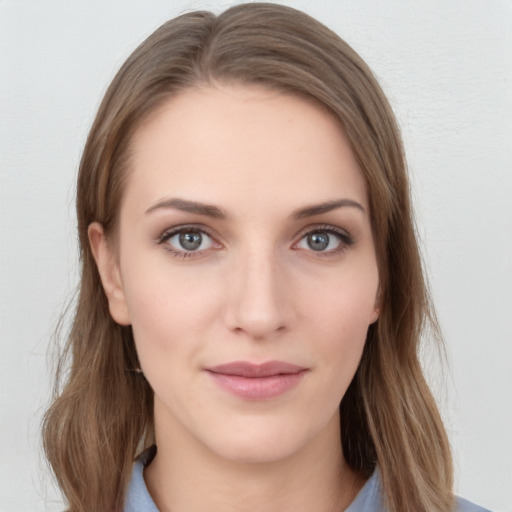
(257, 381)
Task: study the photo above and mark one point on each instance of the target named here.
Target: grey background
(447, 69)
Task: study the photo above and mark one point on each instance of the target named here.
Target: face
(246, 266)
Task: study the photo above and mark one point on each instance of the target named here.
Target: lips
(257, 381)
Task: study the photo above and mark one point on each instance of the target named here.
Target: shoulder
(137, 497)
(463, 505)
(371, 499)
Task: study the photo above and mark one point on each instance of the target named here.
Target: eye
(325, 241)
(187, 240)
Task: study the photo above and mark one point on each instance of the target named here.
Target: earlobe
(110, 275)
(375, 314)
(377, 307)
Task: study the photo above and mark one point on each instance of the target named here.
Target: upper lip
(246, 369)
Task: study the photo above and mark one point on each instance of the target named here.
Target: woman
(252, 295)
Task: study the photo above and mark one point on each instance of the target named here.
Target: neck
(186, 476)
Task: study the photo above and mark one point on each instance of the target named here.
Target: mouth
(257, 381)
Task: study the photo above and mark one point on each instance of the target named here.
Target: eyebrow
(328, 206)
(188, 206)
(212, 211)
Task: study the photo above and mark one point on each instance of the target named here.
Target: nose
(259, 296)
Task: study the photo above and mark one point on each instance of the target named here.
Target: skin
(255, 291)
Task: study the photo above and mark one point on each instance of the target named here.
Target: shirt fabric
(369, 498)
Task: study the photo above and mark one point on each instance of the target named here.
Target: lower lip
(258, 388)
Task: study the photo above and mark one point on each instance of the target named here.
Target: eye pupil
(190, 240)
(318, 241)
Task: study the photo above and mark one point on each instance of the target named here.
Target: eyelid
(172, 231)
(346, 239)
(324, 227)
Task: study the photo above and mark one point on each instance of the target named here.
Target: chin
(256, 452)
(259, 443)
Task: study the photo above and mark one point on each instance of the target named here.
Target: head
(276, 49)
(284, 51)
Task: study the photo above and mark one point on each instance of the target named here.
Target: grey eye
(190, 240)
(321, 241)
(318, 241)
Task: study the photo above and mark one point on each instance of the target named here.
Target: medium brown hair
(102, 414)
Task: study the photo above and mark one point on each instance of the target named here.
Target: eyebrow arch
(318, 209)
(188, 206)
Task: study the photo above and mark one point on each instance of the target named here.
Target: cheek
(346, 298)
(341, 329)
(169, 310)
(340, 316)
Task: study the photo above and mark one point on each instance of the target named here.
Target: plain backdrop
(446, 66)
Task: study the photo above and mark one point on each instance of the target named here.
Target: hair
(102, 415)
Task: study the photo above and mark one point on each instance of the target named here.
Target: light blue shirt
(369, 498)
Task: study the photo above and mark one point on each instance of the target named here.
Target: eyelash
(345, 240)
(167, 235)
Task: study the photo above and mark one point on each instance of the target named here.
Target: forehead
(240, 143)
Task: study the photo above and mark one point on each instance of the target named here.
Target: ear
(377, 307)
(108, 268)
